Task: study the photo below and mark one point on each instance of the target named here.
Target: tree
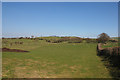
(32, 36)
(20, 37)
(103, 37)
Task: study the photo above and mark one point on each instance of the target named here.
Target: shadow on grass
(112, 63)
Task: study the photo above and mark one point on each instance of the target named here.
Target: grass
(110, 44)
(52, 60)
(28, 44)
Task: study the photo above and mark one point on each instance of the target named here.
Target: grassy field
(110, 44)
(53, 60)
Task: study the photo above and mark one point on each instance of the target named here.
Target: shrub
(62, 39)
(48, 41)
(112, 40)
(88, 40)
(21, 38)
(41, 39)
(102, 38)
(57, 41)
(75, 40)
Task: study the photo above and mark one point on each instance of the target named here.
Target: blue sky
(83, 19)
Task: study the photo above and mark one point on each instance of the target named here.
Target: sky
(82, 19)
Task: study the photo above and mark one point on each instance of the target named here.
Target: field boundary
(111, 51)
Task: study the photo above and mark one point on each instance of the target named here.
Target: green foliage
(88, 40)
(103, 37)
(75, 40)
(62, 39)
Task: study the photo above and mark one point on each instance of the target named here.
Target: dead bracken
(12, 50)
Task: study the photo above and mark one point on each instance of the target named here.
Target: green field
(110, 44)
(53, 60)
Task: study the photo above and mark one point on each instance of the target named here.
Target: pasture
(110, 44)
(52, 60)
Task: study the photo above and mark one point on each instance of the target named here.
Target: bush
(21, 38)
(63, 39)
(56, 41)
(48, 41)
(88, 40)
(75, 40)
(102, 38)
(112, 40)
(41, 39)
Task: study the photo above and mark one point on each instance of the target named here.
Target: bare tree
(103, 37)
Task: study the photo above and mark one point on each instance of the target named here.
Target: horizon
(81, 19)
(55, 36)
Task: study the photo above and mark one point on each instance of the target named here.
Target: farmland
(45, 39)
(52, 60)
(110, 44)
